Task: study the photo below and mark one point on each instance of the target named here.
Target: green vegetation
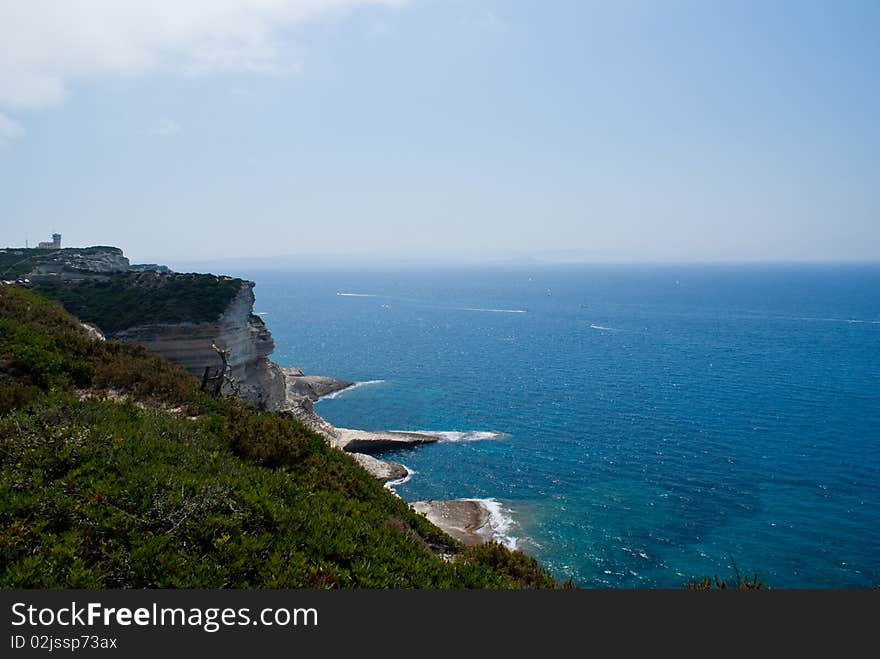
(42, 348)
(523, 569)
(19, 261)
(115, 301)
(117, 472)
(742, 583)
(119, 301)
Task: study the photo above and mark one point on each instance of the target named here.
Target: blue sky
(448, 130)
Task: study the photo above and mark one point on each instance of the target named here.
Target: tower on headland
(55, 244)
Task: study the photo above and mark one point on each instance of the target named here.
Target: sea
(631, 426)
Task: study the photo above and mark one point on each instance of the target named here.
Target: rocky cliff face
(243, 335)
(188, 318)
(181, 317)
(75, 263)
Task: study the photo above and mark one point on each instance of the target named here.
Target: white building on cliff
(55, 244)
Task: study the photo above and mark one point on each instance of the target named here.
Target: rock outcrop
(312, 387)
(466, 520)
(78, 263)
(383, 470)
(150, 267)
(94, 333)
(302, 391)
(373, 441)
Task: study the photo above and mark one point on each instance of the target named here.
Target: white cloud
(47, 44)
(9, 130)
(166, 128)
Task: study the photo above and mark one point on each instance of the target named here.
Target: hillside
(187, 318)
(116, 471)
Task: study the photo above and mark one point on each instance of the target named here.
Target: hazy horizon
(293, 262)
(449, 132)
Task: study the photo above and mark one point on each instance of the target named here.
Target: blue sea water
(649, 424)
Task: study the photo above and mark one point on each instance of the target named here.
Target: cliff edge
(187, 318)
(237, 331)
(198, 321)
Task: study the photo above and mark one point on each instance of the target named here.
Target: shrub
(743, 583)
(119, 301)
(523, 569)
(263, 438)
(41, 345)
(14, 396)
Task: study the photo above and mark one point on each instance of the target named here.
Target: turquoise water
(643, 426)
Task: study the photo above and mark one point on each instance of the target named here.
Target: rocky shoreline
(466, 520)
(303, 391)
(245, 344)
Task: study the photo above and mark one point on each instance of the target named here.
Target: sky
(443, 130)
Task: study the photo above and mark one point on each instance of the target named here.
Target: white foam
(262, 313)
(499, 524)
(460, 435)
(390, 485)
(356, 385)
(602, 328)
(357, 295)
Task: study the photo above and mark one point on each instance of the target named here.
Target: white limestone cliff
(238, 331)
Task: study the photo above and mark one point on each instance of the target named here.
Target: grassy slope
(146, 482)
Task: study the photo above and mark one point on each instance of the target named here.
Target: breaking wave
(356, 385)
(499, 525)
(390, 485)
(461, 435)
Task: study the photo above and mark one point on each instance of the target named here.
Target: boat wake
(489, 310)
(428, 305)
